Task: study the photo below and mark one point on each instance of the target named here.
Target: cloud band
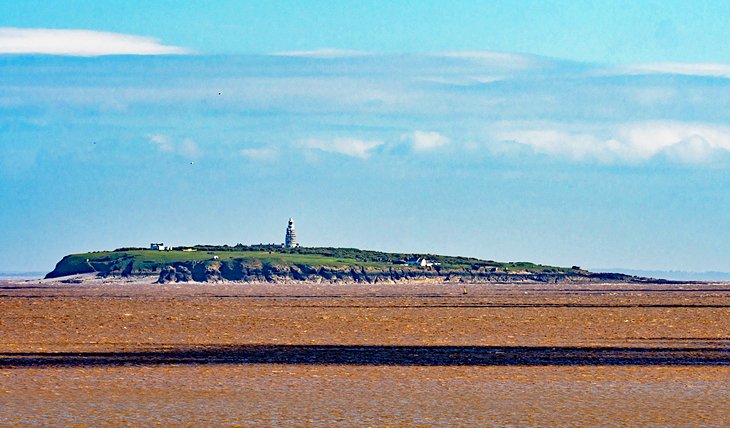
(80, 43)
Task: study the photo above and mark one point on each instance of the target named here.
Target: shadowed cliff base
(383, 356)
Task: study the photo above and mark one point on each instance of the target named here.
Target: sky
(568, 133)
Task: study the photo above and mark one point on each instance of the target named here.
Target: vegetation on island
(274, 263)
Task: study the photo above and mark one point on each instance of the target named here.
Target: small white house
(421, 261)
(158, 247)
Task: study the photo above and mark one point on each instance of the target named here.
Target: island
(284, 264)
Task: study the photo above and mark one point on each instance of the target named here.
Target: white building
(290, 240)
(158, 247)
(421, 261)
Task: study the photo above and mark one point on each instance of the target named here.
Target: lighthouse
(290, 241)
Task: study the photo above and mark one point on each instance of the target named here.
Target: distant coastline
(22, 275)
(672, 275)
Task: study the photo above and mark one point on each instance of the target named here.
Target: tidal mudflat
(405, 355)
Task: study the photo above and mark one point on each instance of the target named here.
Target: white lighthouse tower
(290, 241)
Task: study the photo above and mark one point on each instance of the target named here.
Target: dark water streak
(382, 356)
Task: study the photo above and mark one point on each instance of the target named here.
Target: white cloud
(80, 43)
(502, 58)
(261, 153)
(189, 149)
(694, 150)
(323, 53)
(186, 148)
(463, 81)
(633, 142)
(346, 146)
(424, 141)
(163, 142)
(686, 69)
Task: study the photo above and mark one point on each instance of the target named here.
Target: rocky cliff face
(237, 270)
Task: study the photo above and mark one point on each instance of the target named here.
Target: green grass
(532, 267)
(148, 258)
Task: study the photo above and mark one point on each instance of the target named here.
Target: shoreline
(515, 279)
(90, 285)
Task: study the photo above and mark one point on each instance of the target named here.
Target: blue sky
(598, 31)
(566, 133)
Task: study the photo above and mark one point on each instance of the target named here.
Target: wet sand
(405, 355)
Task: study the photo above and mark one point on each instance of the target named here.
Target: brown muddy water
(97, 354)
